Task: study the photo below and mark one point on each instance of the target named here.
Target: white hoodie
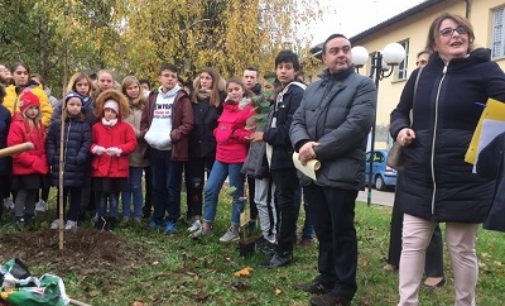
(158, 135)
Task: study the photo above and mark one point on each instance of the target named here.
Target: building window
(498, 44)
(401, 72)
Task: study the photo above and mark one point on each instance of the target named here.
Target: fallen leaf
(277, 291)
(92, 293)
(154, 298)
(138, 303)
(240, 286)
(244, 272)
(201, 296)
(156, 263)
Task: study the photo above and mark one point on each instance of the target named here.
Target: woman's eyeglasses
(448, 32)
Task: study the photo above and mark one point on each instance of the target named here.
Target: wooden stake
(60, 175)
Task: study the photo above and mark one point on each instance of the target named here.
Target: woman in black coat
(437, 185)
(207, 107)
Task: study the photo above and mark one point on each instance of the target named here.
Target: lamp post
(382, 66)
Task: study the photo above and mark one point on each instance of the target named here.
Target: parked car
(383, 176)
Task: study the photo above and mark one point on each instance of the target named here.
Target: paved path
(385, 198)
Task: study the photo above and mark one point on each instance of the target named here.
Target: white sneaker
(8, 203)
(197, 225)
(41, 206)
(71, 225)
(230, 235)
(55, 224)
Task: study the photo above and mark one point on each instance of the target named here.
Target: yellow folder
(494, 110)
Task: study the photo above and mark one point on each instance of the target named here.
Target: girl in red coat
(28, 168)
(232, 139)
(112, 141)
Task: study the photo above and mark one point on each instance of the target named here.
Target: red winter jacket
(231, 135)
(32, 161)
(120, 136)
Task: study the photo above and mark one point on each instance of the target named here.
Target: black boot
(279, 260)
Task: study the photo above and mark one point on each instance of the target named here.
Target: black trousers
(195, 169)
(253, 210)
(434, 266)
(75, 194)
(332, 213)
(286, 185)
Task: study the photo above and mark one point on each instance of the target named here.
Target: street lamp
(383, 64)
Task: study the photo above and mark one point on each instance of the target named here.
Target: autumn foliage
(58, 37)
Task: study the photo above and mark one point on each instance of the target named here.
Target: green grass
(179, 271)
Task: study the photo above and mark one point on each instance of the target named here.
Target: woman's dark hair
(247, 92)
(435, 29)
(16, 65)
(215, 97)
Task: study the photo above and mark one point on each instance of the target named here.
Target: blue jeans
(215, 182)
(135, 182)
(166, 185)
(102, 204)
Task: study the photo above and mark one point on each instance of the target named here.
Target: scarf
(109, 123)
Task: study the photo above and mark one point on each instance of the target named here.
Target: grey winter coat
(337, 111)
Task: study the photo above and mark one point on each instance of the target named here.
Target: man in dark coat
(331, 125)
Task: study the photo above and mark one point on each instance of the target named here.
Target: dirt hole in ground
(86, 251)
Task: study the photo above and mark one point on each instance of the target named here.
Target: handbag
(395, 158)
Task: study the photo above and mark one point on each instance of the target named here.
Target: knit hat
(112, 105)
(71, 95)
(28, 99)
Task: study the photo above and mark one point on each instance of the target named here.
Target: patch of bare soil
(86, 251)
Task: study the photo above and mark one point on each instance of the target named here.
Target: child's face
(133, 91)
(74, 106)
(144, 87)
(235, 91)
(82, 87)
(267, 86)
(168, 79)
(109, 114)
(105, 81)
(205, 80)
(20, 76)
(285, 73)
(32, 112)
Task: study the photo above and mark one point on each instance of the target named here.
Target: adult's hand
(307, 152)
(405, 137)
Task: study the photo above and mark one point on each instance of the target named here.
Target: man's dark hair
(332, 36)
(170, 67)
(144, 81)
(427, 51)
(287, 56)
(251, 68)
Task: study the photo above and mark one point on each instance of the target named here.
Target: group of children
(111, 137)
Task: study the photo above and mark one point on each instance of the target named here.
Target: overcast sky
(354, 16)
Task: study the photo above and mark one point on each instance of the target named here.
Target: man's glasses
(336, 50)
(448, 32)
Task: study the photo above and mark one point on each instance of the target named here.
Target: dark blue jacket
(5, 122)
(437, 184)
(281, 111)
(77, 140)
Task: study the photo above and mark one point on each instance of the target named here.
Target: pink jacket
(231, 134)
